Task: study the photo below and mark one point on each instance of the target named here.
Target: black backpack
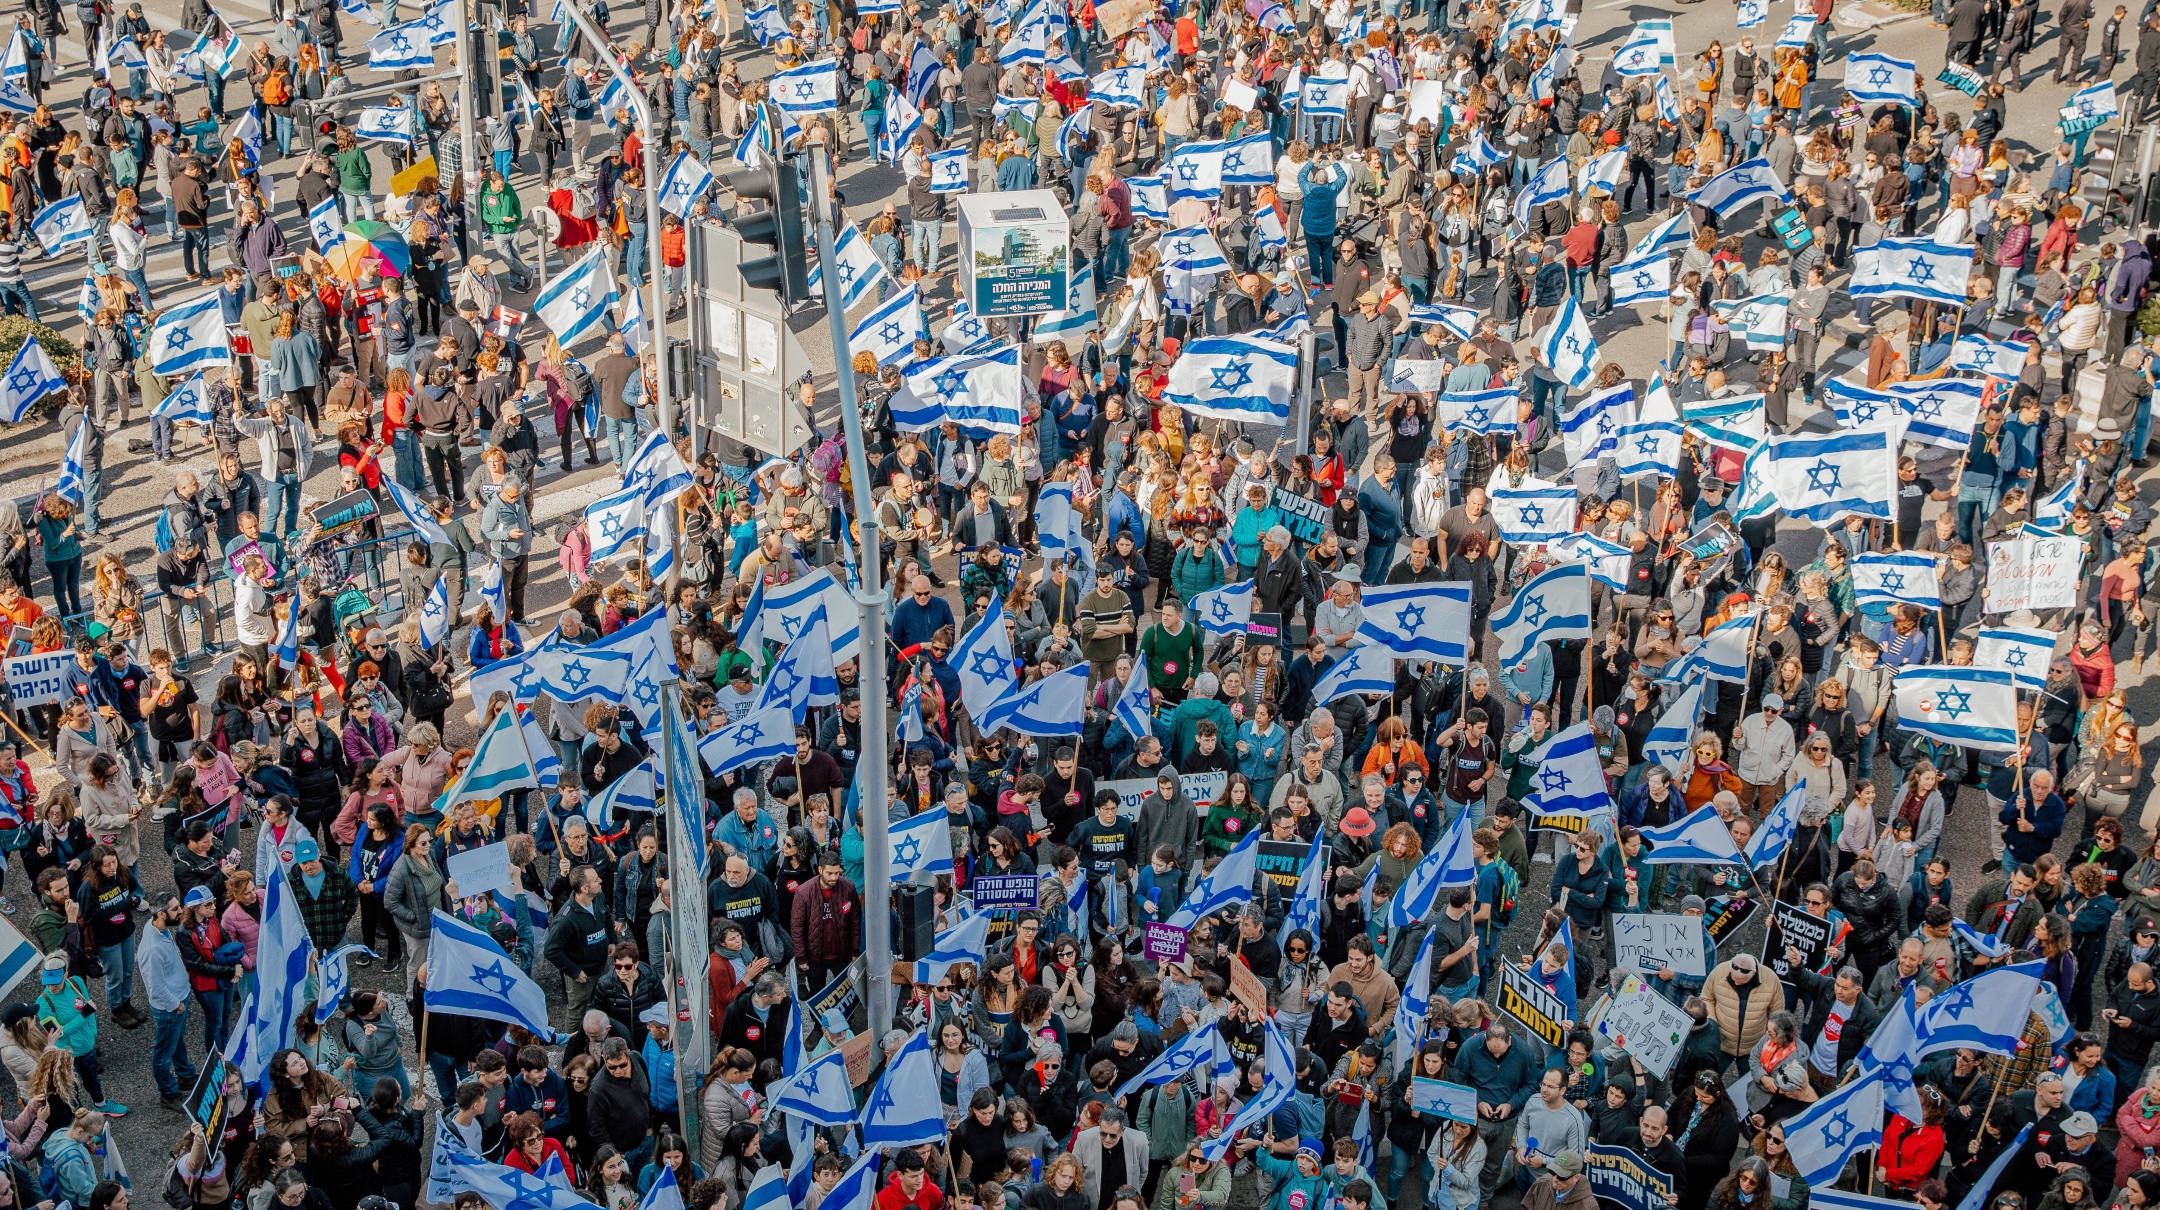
(578, 379)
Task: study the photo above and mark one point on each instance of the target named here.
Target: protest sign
(1264, 626)
(856, 1051)
(1283, 861)
(1305, 518)
(840, 1008)
(1131, 792)
(2033, 573)
(1725, 916)
(1646, 1025)
(1165, 942)
(1654, 941)
(1442, 1099)
(1522, 998)
(1620, 1178)
(1246, 989)
(1204, 788)
(341, 514)
(34, 680)
(478, 871)
(1021, 891)
(1793, 927)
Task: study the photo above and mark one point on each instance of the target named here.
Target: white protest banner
(1239, 95)
(2032, 573)
(1204, 788)
(1647, 943)
(34, 680)
(1442, 1099)
(1646, 1025)
(1131, 792)
(478, 871)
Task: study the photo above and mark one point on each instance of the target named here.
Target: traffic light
(786, 272)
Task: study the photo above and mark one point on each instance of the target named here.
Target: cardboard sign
(35, 680)
(1246, 987)
(1725, 916)
(1442, 1099)
(2032, 573)
(1646, 1025)
(412, 178)
(1283, 861)
(1650, 942)
(1305, 517)
(1522, 998)
(1620, 1178)
(343, 513)
(1020, 891)
(857, 1051)
(1165, 943)
(1792, 927)
(478, 871)
(18, 641)
(1116, 18)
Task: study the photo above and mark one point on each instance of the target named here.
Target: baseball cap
(307, 850)
(54, 972)
(2080, 1124)
(198, 896)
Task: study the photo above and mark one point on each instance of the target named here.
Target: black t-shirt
(1101, 846)
(983, 1145)
(170, 719)
(1912, 497)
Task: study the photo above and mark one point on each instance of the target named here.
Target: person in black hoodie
(399, 1130)
(618, 1110)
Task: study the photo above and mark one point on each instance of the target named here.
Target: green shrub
(2148, 316)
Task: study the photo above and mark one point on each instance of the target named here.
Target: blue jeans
(216, 1007)
(2141, 429)
(622, 438)
(283, 491)
(634, 255)
(1454, 809)
(1117, 254)
(356, 205)
(141, 281)
(169, 1064)
(119, 963)
(195, 251)
(929, 241)
(1400, 1165)
(873, 124)
(284, 129)
(405, 449)
(15, 296)
(503, 160)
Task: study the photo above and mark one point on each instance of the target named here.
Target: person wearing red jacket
(827, 923)
(909, 1188)
(1909, 1153)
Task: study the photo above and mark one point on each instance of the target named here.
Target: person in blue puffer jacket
(1321, 193)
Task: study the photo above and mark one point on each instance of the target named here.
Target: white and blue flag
(1986, 1013)
(1674, 733)
(189, 337)
(1675, 232)
(1549, 184)
(1860, 407)
(470, 976)
(1054, 705)
(1987, 945)
(2022, 651)
(1609, 562)
(1193, 249)
(1568, 348)
(1277, 1084)
(1741, 185)
(435, 619)
(1224, 610)
(325, 224)
(401, 48)
(1941, 412)
(1912, 268)
(1699, 839)
(1026, 107)
(1120, 88)
(1195, 170)
(1820, 478)
(1639, 57)
(949, 171)
(1234, 378)
(1879, 79)
(72, 482)
(185, 405)
(922, 844)
(1648, 280)
(811, 88)
(1822, 1137)
(819, 1093)
(575, 674)
(1450, 864)
(903, 1108)
(2089, 107)
(637, 790)
(1535, 512)
(1461, 321)
(1135, 704)
(1150, 196)
(500, 763)
(1591, 430)
(1200, 1050)
(983, 660)
(1971, 707)
(579, 298)
(685, 181)
(1249, 161)
(1721, 656)
(967, 941)
(614, 523)
(762, 735)
(1304, 908)
(1895, 578)
(1492, 410)
(389, 123)
(889, 333)
(1774, 836)
(1229, 883)
(1570, 777)
(1894, 1050)
(62, 223)
(1555, 605)
(860, 269)
(1369, 668)
(1325, 97)
(1419, 621)
(1976, 354)
(31, 376)
(979, 392)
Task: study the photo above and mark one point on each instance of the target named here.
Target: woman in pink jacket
(2139, 1121)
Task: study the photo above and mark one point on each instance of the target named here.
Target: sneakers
(393, 967)
(174, 1103)
(111, 1108)
(362, 960)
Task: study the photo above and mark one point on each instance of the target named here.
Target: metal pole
(656, 265)
(2144, 171)
(1308, 347)
(468, 97)
(871, 770)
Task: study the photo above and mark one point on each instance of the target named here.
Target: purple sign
(1165, 943)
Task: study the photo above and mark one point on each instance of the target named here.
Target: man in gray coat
(507, 528)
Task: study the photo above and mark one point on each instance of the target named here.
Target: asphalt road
(135, 485)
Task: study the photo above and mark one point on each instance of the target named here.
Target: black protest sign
(839, 1009)
(1725, 916)
(1618, 1177)
(1304, 517)
(1283, 862)
(1791, 927)
(1522, 998)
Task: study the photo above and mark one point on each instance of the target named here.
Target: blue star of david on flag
(1410, 617)
(400, 42)
(1646, 445)
(1552, 781)
(2014, 657)
(906, 851)
(575, 673)
(950, 383)
(1954, 702)
(1533, 514)
(1230, 378)
(1879, 76)
(177, 339)
(1920, 270)
(1825, 477)
(1187, 171)
(1534, 610)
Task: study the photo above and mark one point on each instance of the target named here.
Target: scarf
(1908, 810)
(740, 959)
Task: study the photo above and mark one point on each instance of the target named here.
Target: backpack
(582, 203)
(277, 89)
(1503, 912)
(164, 534)
(577, 379)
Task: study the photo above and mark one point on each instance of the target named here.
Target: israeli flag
(1675, 232)
(1326, 98)
(1699, 839)
(1419, 621)
(62, 223)
(273, 1007)
(1120, 88)
(1648, 447)
(1550, 184)
(1570, 777)
(324, 224)
(1410, 1010)
(1073, 128)
(1075, 319)
(1225, 610)
(889, 333)
(1608, 561)
(1268, 229)
(17, 64)
(615, 522)
(1234, 378)
(818, 1093)
(188, 337)
(1858, 407)
(984, 662)
(1545, 81)
(1029, 41)
(1478, 155)
(1605, 172)
(1278, 1082)
(1754, 13)
(1450, 864)
(1555, 605)
(1026, 107)
(1369, 668)
(1742, 185)
(287, 648)
(416, 514)
(922, 844)
(31, 376)
(1461, 321)
(1721, 656)
(1770, 840)
(1897, 578)
(1195, 170)
(435, 619)
(70, 486)
(903, 1107)
(949, 171)
(1569, 349)
(470, 976)
(902, 123)
(1249, 161)
(1985, 1013)
(499, 764)
(545, 762)
(803, 676)
(1759, 322)
(637, 790)
(787, 612)
(1941, 412)
(185, 405)
(1880, 79)
(579, 298)
(2089, 106)
(860, 268)
(1640, 57)
(1592, 429)
(1799, 28)
(1971, 707)
(334, 981)
(1150, 196)
(1893, 1049)
(967, 941)
(747, 149)
(1228, 884)
(762, 735)
(684, 183)
(360, 11)
(401, 48)
(979, 393)
(491, 591)
(1193, 249)
(1054, 705)
(1198, 1051)
(1912, 268)
(1304, 909)
(1488, 411)
(389, 123)
(575, 674)
(1648, 280)
(2003, 359)
(1535, 512)
(1669, 740)
(2053, 510)
(1820, 478)
(923, 65)
(1274, 19)
(249, 132)
(1987, 945)
(2022, 651)
(811, 88)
